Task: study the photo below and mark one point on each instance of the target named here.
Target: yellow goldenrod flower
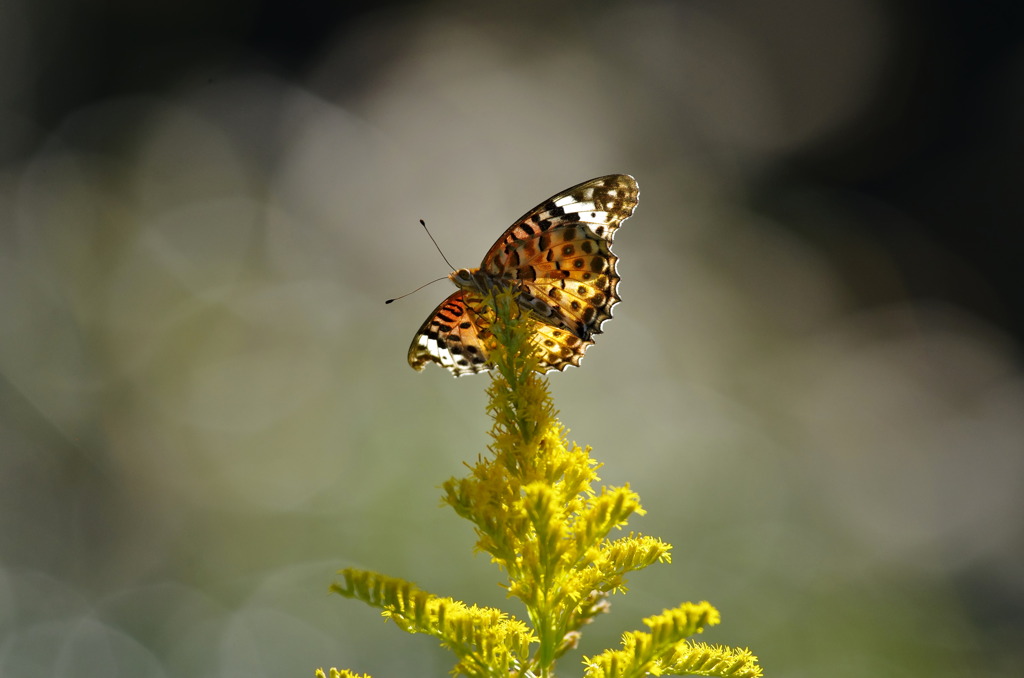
(537, 513)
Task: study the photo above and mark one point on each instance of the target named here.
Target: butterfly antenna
(424, 224)
(416, 290)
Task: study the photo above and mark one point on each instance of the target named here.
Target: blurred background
(814, 381)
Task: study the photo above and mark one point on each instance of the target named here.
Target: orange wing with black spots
(457, 335)
(559, 257)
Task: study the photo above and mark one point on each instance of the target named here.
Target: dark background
(941, 142)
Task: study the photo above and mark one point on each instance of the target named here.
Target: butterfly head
(470, 279)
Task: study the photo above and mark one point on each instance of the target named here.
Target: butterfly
(558, 257)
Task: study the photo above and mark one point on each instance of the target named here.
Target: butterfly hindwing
(457, 337)
(558, 348)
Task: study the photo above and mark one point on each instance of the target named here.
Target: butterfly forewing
(558, 254)
(568, 274)
(456, 336)
(602, 204)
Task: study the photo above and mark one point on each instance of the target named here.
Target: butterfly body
(558, 258)
(481, 283)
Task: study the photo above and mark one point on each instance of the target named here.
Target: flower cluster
(536, 512)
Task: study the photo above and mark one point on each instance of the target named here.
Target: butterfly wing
(561, 253)
(456, 335)
(557, 348)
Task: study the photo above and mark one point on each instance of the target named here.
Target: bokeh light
(814, 381)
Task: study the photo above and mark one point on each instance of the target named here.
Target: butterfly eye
(462, 277)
